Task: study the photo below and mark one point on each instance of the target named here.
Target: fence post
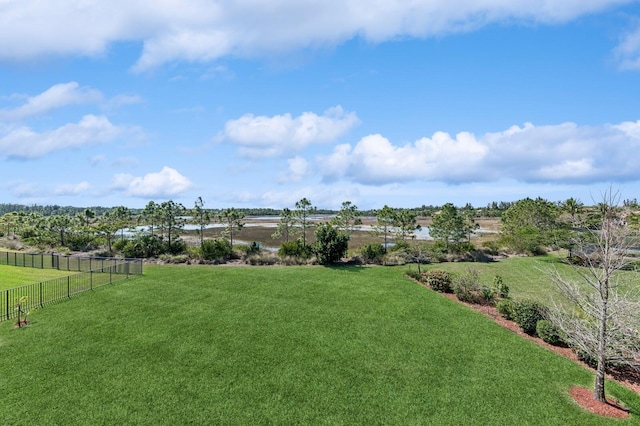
(69, 286)
(110, 269)
(41, 294)
(7, 300)
(91, 280)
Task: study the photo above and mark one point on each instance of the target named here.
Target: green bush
(506, 308)
(144, 246)
(500, 288)
(294, 249)
(218, 249)
(548, 332)
(438, 280)
(527, 313)
(372, 253)
(331, 245)
(467, 287)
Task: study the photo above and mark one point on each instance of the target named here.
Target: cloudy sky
(252, 103)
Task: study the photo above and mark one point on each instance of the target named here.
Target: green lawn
(16, 276)
(525, 276)
(271, 345)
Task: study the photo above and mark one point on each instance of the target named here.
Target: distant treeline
(493, 209)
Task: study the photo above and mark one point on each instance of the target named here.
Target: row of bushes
(529, 315)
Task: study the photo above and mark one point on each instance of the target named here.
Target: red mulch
(583, 396)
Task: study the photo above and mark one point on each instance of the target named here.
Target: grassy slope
(525, 276)
(16, 276)
(216, 345)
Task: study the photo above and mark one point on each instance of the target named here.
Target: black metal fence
(67, 263)
(94, 272)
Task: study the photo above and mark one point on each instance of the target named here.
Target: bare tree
(603, 321)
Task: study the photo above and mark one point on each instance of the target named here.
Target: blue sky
(259, 104)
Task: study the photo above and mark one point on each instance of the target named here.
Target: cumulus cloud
(298, 170)
(56, 96)
(201, 30)
(167, 182)
(72, 189)
(564, 153)
(259, 136)
(25, 143)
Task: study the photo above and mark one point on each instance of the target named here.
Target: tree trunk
(598, 390)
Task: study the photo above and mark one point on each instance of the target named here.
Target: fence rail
(66, 263)
(94, 272)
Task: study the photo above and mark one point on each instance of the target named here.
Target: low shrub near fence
(94, 272)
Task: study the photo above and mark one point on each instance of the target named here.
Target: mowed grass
(270, 345)
(16, 276)
(527, 277)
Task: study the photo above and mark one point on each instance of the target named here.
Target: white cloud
(298, 170)
(166, 183)
(323, 196)
(25, 143)
(564, 153)
(200, 30)
(72, 189)
(56, 96)
(260, 136)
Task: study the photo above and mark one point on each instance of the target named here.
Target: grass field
(16, 276)
(525, 276)
(270, 345)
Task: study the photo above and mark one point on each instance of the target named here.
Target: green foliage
(500, 288)
(527, 313)
(506, 308)
(301, 214)
(295, 249)
(81, 241)
(217, 249)
(528, 225)
(548, 332)
(405, 223)
(331, 245)
(348, 218)
(372, 253)
(452, 227)
(144, 246)
(438, 280)
(467, 288)
(233, 220)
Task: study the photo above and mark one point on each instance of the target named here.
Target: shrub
(415, 275)
(294, 249)
(217, 249)
(467, 288)
(331, 244)
(178, 246)
(80, 241)
(491, 247)
(438, 280)
(500, 288)
(527, 313)
(505, 308)
(372, 253)
(548, 332)
(399, 246)
(248, 249)
(264, 258)
(144, 246)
